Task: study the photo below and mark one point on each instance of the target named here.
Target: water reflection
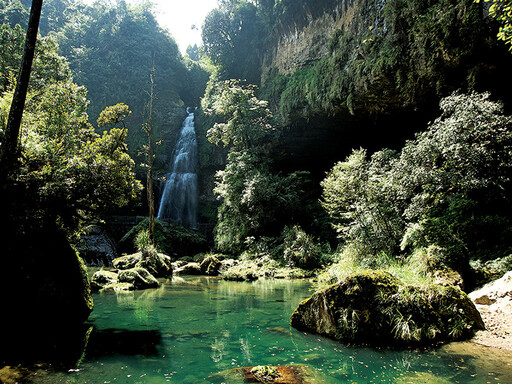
(193, 327)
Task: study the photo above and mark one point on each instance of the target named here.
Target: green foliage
(255, 200)
(248, 122)
(300, 249)
(359, 202)
(110, 48)
(169, 240)
(232, 38)
(70, 173)
(501, 10)
(142, 240)
(450, 183)
(113, 115)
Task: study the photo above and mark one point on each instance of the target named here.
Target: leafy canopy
(448, 188)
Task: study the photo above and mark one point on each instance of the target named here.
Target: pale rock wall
(303, 45)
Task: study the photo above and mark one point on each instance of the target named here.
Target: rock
(448, 277)
(189, 269)
(119, 287)
(284, 374)
(127, 262)
(96, 247)
(241, 272)
(210, 266)
(102, 278)
(179, 263)
(226, 264)
(375, 308)
(139, 277)
(158, 264)
(497, 294)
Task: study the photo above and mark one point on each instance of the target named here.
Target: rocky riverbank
(494, 302)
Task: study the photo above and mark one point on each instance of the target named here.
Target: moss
(393, 55)
(169, 240)
(373, 307)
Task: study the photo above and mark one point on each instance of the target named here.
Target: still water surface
(193, 327)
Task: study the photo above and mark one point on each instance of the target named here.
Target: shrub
(300, 249)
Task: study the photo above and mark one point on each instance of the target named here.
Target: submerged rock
(375, 308)
(139, 277)
(283, 374)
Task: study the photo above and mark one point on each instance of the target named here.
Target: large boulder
(158, 264)
(375, 308)
(497, 294)
(139, 277)
(102, 278)
(127, 262)
(210, 266)
(189, 269)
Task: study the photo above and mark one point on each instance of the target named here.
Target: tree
(149, 149)
(9, 149)
(448, 188)
(232, 37)
(248, 122)
(255, 200)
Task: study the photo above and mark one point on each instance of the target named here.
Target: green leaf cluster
(501, 10)
(447, 188)
(255, 200)
(68, 172)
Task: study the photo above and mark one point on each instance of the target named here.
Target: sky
(178, 16)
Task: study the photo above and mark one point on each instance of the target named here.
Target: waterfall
(179, 199)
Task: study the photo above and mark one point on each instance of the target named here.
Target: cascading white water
(179, 199)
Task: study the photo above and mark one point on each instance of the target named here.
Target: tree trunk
(151, 196)
(9, 149)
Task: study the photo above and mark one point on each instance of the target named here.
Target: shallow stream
(193, 327)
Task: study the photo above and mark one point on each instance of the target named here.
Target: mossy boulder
(375, 308)
(102, 278)
(139, 277)
(210, 265)
(189, 269)
(158, 264)
(127, 262)
(241, 272)
(281, 374)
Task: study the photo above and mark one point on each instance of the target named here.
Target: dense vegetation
(110, 49)
(414, 209)
(450, 183)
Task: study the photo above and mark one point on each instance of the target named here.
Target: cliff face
(371, 73)
(301, 44)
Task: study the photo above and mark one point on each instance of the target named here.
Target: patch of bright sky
(182, 18)
(179, 17)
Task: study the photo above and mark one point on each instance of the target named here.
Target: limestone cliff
(351, 73)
